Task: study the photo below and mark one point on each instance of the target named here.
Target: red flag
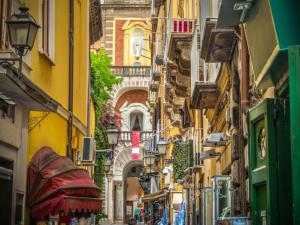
(135, 141)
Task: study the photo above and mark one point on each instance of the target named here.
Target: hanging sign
(135, 142)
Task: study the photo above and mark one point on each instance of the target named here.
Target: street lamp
(107, 166)
(112, 138)
(149, 160)
(112, 134)
(22, 29)
(162, 146)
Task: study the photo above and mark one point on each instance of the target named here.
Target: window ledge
(47, 57)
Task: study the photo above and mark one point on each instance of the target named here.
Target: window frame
(5, 12)
(47, 35)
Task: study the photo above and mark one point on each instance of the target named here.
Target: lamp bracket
(7, 63)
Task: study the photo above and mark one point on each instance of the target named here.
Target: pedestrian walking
(142, 213)
(137, 213)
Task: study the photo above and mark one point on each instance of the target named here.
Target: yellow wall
(54, 79)
(92, 118)
(52, 132)
(81, 56)
(128, 27)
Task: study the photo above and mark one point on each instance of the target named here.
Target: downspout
(245, 104)
(71, 77)
(89, 96)
(245, 72)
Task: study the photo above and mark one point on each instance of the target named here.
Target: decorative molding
(136, 83)
(128, 25)
(126, 110)
(121, 161)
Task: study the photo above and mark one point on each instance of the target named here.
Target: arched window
(137, 42)
(136, 121)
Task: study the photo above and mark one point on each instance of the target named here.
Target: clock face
(262, 145)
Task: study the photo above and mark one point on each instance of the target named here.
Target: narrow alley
(149, 112)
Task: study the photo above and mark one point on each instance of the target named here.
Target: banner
(135, 141)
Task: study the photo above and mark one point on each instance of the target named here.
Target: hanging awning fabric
(56, 185)
(160, 195)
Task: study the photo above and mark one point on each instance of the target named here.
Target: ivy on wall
(182, 159)
(102, 82)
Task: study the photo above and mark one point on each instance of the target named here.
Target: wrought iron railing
(126, 135)
(130, 71)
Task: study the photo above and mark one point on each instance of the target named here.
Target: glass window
(136, 121)
(46, 32)
(222, 196)
(5, 11)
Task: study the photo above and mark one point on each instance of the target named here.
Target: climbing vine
(102, 82)
(182, 159)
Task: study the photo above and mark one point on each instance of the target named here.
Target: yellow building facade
(197, 97)
(50, 72)
(47, 102)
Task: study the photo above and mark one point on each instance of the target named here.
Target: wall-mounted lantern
(149, 160)
(162, 146)
(22, 29)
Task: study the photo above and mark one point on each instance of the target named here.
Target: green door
(269, 163)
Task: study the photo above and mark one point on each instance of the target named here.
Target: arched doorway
(132, 188)
(125, 170)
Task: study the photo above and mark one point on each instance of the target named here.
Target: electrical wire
(149, 138)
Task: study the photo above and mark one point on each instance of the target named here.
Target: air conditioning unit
(209, 154)
(88, 149)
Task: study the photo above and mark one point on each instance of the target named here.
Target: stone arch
(128, 85)
(121, 166)
(122, 160)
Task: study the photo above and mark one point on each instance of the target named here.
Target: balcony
(218, 43)
(131, 71)
(179, 40)
(205, 95)
(126, 135)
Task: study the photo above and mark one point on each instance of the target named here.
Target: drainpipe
(245, 72)
(71, 77)
(89, 96)
(245, 103)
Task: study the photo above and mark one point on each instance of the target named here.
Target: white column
(110, 203)
(106, 196)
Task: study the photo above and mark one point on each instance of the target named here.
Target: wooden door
(129, 210)
(270, 189)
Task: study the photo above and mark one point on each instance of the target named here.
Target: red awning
(56, 185)
(58, 204)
